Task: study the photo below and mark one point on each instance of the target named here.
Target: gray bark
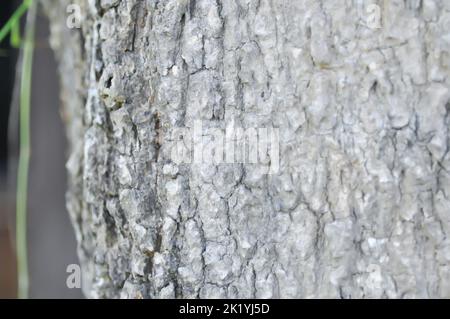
(360, 205)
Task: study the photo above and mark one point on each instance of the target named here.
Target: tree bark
(359, 207)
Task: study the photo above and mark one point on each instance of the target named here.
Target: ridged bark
(360, 206)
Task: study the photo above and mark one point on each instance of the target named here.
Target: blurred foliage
(12, 27)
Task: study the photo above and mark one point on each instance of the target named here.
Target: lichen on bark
(360, 204)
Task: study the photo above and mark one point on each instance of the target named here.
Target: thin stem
(14, 19)
(15, 35)
(24, 157)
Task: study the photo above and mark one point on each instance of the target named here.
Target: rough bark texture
(360, 206)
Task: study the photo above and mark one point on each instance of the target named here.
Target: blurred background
(51, 240)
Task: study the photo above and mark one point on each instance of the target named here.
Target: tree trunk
(354, 201)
